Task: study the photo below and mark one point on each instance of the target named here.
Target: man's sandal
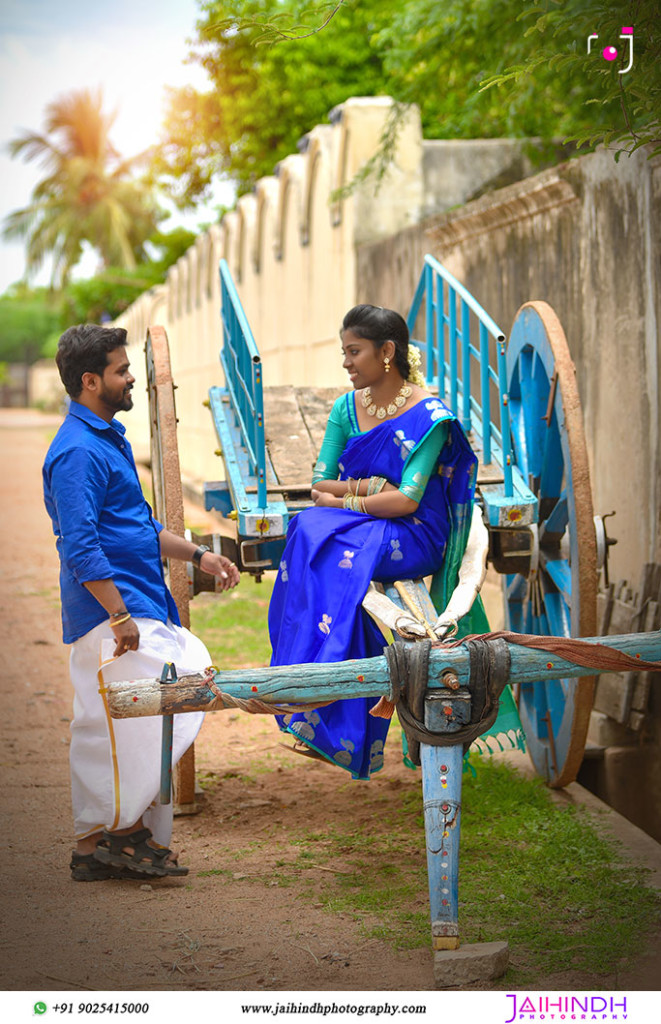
(86, 868)
(147, 860)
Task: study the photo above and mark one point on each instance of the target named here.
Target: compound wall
(291, 246)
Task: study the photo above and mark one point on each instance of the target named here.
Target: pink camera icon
(610, 53)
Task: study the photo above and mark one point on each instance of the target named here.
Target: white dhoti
(116, 763)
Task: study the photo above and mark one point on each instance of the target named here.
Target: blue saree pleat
(332, 554)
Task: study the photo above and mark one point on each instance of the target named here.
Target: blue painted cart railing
(459, 336)
(238, 415)
(242, 366)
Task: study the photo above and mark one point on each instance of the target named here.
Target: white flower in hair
(415, 361)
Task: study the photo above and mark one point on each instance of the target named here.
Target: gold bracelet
(122, 619)
(356, 503)
(347, 499)
(376, 484)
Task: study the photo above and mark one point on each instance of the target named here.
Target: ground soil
(236, 930)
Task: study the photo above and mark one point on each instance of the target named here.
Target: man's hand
(173, 546)
(127, 636)
(218, 565)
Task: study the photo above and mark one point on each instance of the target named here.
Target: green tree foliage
(265, 97)
(476, 68)
(88, 193)
(166, 247)
(32, 319)
(28, 317)
(106, 295)
(622, 108)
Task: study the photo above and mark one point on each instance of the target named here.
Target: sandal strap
(141, 848)
(141, 836)
(116, 843)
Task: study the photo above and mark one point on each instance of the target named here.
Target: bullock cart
(518, 402)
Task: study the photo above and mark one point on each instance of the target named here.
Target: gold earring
(386, 363)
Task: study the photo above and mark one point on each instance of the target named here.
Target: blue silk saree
(332, 554)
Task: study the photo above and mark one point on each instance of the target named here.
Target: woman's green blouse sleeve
(422, 463)
(337, 434)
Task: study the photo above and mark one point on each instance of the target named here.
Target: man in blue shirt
(115, 605)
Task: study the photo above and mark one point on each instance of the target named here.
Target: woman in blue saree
(393, 491)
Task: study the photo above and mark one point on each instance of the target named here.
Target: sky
(132, 48)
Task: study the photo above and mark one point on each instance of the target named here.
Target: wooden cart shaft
(365, 677)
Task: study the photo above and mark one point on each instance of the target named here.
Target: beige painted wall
(292, 254)
(586, 238)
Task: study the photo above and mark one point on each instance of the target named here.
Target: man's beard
(122, 404)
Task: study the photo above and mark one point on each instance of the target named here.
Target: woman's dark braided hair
(380, 325)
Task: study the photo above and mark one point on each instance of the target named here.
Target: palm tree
(88, 193)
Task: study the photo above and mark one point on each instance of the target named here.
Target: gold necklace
(381, 411)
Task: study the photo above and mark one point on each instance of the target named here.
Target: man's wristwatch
(197, 554)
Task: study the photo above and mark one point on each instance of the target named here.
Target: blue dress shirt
(103, 525)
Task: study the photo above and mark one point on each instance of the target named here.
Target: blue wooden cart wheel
(557, 593)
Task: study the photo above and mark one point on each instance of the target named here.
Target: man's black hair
(84, 349)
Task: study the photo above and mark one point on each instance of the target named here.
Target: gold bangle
(347, 499)
(376, 485)
(122, 619)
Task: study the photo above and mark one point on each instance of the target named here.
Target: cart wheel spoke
(558, 520)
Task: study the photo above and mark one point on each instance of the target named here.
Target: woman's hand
(338, 488)
(335, 488)
(329, 486)
(323, 499)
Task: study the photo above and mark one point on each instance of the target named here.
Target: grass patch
(234, 625)
(534, 873)
(542, 876)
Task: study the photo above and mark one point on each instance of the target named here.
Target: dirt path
(232, 924)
